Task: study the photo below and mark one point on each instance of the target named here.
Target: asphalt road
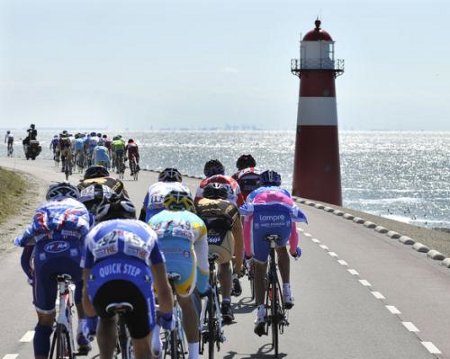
(358, 293)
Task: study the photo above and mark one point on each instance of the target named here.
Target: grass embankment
(12, 193)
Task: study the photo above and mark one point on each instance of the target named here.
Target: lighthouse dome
(317, 34)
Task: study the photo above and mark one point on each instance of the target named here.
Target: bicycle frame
(63, 334)
(277, 318)
(211, 316)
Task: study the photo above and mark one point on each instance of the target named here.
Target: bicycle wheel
(211, 324)
(274, 312)
(60, 348)
(125, 343)
(173, 343)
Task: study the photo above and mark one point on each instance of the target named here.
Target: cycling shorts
(50, 259)
(142, 319)
(180, 258)
(222, 244)
(116, 280)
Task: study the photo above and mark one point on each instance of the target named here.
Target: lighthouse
(317, 173)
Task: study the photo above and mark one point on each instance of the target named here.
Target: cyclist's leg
(190, 323)
(107, 336)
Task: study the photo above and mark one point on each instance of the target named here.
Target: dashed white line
(10, 356)
(323, 246)
(365, 283)
(332, 254)
(307, 234)
(411, 327)
(393, 309)
(378, 295)
(342, 262)
(431, 348)
(28, 337)
(315, 240)
(353, 272)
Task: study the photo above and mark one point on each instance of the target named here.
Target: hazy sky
(182, 63)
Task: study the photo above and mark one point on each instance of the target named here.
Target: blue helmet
(270, 178)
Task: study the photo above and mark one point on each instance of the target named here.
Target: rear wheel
(211, 325)
(60, 348)
(274, 313)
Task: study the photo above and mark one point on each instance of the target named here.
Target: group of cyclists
(83, 150)
(93, 232)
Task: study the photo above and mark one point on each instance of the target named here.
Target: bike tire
(174, 343)
(211, 325)
(274, 314)
(125, 343)
(60, 348)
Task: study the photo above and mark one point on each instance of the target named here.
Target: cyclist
(78, 147)
(107, 143)
(270, 210)
(100, 175)
(169, 179)
(9, 140)
(100, 156)
(32, 132)
(54, 240)
(118, 149)
(132, 151)
(54, 146)
(90, 143)
(215, 172)
(246, 176)
(182, 239)
(221, 217)
(65, 146)
(121, 263)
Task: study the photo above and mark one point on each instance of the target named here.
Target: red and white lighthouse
(317, 173)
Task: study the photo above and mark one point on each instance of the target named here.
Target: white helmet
(62, 190)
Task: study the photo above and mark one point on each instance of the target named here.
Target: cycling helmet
(170, 175)
(115, 207)
(216, 191)
(213, 167)
(94, 194)
(130, 140)
(92, 134)
(270, 178)
(245, 161)
(96, 172)
(178, 201)
(8, 132)
(62, 190)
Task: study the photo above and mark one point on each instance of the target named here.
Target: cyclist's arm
(201, 252)
(238, 245)
(293, 239)
(87, 305)
(162, 287)
(25, 261)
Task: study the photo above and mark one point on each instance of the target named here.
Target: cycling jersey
(182, 239)
(270, 210)
(132, 149)
(65, 143)
(56, 233)
(248, 179)
(118, 146)
(219, 216)
(153, 201)
(79, 144)
(118, 252)
(234, 192)
(100, 156)
(54, 144)
(115, 184)
(9, 138)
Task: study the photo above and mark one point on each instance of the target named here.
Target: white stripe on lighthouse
(317, 111)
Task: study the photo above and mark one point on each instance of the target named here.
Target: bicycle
(80, 161)
(278, 317)
(67, 166)
(134, 168)
(10, 149)
(124, 342)
(249, 270)
(120, 165)
(211, 316)
(62, 346)
(173, 341)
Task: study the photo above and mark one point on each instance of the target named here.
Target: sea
(399, 175)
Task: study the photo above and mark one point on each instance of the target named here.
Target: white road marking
(28, 337)
(378, 295)
(410, 326)
(10, 356)
(365, 283)
(315, 240)
(342, 262)
(353, 272)
(323, 246)
(393, 309)
(307, 234)
(332, 254)
(431, 348)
